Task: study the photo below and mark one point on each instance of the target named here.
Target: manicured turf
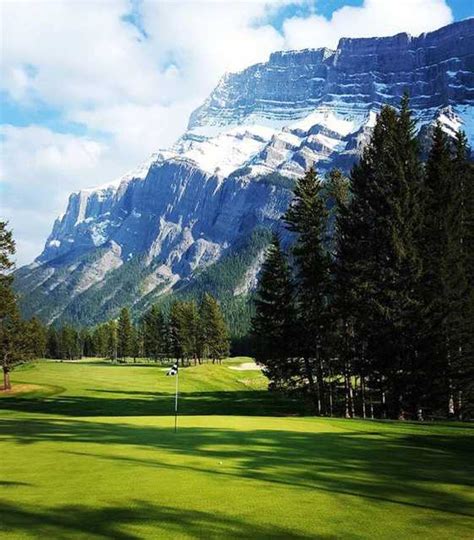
(96, 457)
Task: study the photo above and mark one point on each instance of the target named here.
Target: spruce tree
(52, 343)
(274, 324)
(457, 275)
(434, 247)
(35, 337)
(153, 333)
(307, 219)
(13, 347)
(124, 334)
(378, 267)
(214, 331)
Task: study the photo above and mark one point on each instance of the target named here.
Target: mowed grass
(90, 452)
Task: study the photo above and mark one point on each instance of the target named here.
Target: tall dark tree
(124, 334)
(35, 336)
(378, 267)
(434, 247)
(154, 333)
(454, 268)
(111, 340)
(52, 343)
(12, 343)
(274, 323)
(214, 340)
(307, 218)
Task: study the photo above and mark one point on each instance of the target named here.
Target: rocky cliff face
(192, 206)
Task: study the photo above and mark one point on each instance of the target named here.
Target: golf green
(90, 451)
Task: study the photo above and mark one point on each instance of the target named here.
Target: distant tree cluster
(189, 332)
(377, 318)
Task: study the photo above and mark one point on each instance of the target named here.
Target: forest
(377, 318)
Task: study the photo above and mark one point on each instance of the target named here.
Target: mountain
(196, 216)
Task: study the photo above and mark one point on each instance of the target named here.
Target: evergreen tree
(124, 334)
(274, 323)
(111, 340)
(377, 264)
(69, 343)
(307, 218)
(214, 338)
(36, 338)
(52, 343)
(456, 313)
(434, 247)
(13, 348)
(153, 333)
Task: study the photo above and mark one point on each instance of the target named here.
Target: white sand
(246, 366)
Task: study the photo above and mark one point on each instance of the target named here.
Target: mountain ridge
(190, 206)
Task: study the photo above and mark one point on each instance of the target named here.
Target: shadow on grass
(112, 522)
(418, 469)
(247, 403)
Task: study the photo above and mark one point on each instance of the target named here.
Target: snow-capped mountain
(196, 204)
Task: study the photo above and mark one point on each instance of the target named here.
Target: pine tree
(214, 332)
(111, 340)
(307, 218)
(69, 343)
(13, 348)
(124, 334)
(36, 338)
(377, 264)
(52, 343)
(153, 333)
(434, 247)
(456, 268)
(274, 323)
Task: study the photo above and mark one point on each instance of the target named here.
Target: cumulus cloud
(373, 18)
(129, 72)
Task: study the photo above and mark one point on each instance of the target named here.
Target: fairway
(89, 451)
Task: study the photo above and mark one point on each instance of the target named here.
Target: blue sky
(90, 88)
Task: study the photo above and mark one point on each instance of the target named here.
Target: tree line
(372, 310)
(188, 332)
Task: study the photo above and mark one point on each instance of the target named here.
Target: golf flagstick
(174, 372)
(176, 403)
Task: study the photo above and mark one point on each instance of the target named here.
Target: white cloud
(373, 18)
(133, 94)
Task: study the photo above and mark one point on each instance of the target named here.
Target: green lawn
(90, 452)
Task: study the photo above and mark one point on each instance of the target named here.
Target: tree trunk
(351, 398)
(321, 386)
(6, 379)
(347, 413)
(460, 405)
(451, 402)
(312, 387)
(371, 408)
(330, 398)
(362, 388)
(384, 405)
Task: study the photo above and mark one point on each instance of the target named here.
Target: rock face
(192, 206)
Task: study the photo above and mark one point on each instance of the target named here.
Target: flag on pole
(171, 373)
(173, 370)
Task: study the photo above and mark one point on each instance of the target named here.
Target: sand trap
(246, 366)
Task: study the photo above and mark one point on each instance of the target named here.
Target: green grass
(96, 457)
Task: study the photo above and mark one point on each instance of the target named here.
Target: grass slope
(99, 459)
